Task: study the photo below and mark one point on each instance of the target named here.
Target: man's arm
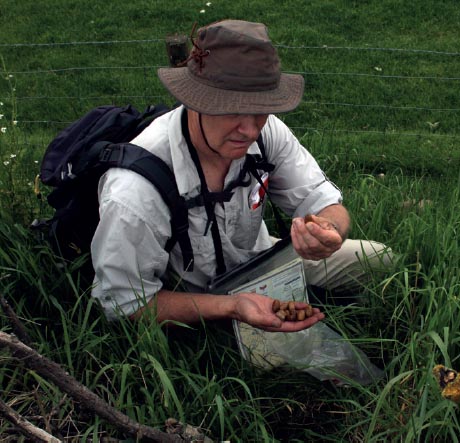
(250, 308)
(321, 237)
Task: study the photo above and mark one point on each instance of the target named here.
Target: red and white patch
(257, 194)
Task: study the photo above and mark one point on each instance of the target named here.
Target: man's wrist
(228, 306)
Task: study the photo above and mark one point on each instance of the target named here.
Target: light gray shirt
(128, 248)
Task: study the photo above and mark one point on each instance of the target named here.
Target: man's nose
(250, 126)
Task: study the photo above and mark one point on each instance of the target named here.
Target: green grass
(383, 123)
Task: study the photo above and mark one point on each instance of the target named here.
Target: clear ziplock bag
(324, 354)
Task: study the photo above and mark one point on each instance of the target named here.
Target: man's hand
(316, 239)
(256, 310)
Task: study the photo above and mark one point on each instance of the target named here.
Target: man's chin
(238, 153)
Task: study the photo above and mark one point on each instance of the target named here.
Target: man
(229, 90)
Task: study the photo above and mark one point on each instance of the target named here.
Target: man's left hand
(316, 239)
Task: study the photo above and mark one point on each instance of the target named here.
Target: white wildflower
(208, 4)
(3, 130)
(1, 103)
(15, 122)
(378, 68)
(6, 163)
(36, 162)
(13, 156)
(10, 76)
(202, 11)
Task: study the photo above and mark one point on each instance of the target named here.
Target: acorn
(301, 314)
(287, 311)
(281, 315)
(276, 305)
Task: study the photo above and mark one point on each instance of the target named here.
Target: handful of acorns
(286, 310)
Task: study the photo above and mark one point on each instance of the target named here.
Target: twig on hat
(197, 53)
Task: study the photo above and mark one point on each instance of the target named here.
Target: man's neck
(215, 167)
(207, 155)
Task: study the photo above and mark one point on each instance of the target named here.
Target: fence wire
(359, 95)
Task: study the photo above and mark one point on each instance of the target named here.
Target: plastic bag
(324, 354)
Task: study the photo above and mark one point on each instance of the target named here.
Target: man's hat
(233, 69)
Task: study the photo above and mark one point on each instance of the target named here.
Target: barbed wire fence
(48, 97)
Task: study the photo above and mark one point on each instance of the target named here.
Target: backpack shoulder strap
(260, 142)
(154, 169)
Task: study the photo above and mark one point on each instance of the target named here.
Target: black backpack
(74, 162)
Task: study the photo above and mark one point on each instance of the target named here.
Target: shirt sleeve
(128, 246)
(298, 185)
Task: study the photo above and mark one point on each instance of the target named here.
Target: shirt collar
(188, 181)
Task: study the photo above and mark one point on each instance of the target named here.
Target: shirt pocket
(247, 226)
(203, 247)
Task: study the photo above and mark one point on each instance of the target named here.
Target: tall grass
(369, 116)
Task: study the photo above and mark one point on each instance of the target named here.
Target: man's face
(231, 135)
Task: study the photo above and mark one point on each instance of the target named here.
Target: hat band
(234, 83)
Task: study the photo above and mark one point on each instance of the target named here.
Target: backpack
(76, 159)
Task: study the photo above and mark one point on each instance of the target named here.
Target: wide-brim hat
(233, 68)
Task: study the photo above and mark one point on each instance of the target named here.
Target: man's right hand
(256, 310)
(248, 307)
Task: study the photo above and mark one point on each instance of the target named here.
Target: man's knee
(351, 266)
(368, 254)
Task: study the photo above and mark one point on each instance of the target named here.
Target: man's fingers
(296, 326)
(310, 246)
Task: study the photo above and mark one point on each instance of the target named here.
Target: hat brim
(206, 99)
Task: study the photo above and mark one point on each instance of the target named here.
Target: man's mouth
(241, 142)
